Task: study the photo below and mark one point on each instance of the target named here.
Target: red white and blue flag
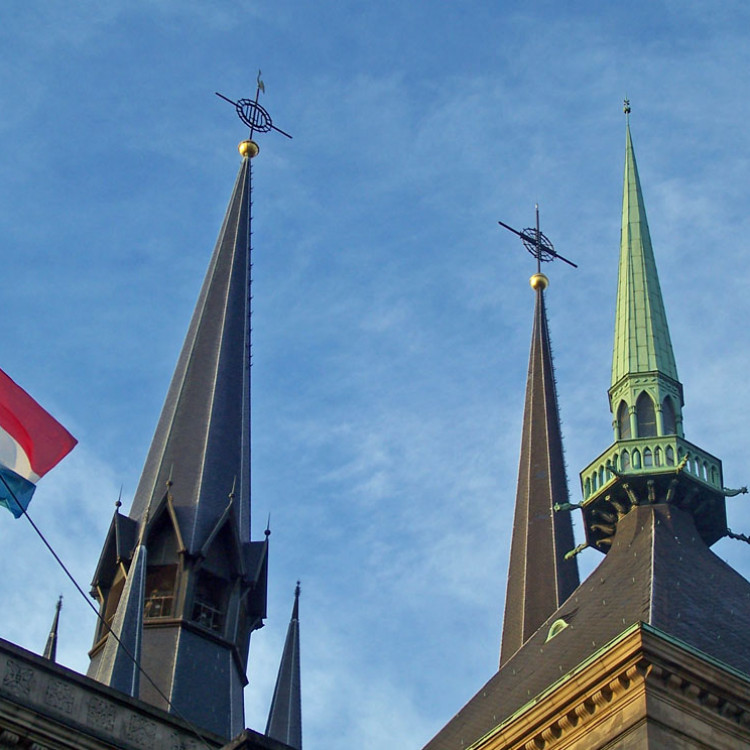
(31, 443)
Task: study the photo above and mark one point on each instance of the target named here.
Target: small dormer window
(555, 629)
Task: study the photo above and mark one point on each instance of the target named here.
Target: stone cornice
(640, 663)
(42, 702)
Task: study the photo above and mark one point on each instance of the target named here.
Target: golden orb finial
(248, 149)
(539, 281)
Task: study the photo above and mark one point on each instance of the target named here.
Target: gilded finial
(626, 106)
(539, 282)
(248, 149)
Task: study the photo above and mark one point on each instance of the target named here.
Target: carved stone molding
(17, 679)
(592, 705)
(60, 696)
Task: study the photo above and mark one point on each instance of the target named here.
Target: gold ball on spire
(539, 281)
(248, 149)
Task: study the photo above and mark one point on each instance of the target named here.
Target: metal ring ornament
(253, 115)
(540, 248)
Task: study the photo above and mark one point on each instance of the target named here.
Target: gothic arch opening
(623, 421)
(645, 416)
(668, 416)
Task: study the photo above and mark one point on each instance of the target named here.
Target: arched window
(670, 455)
(602, 480)
(623, 421)
(625, 460)
(588, 488)
(668, 418)
(636, 459)
(714, 475)
(645, 416)
(160, 588)
(657, 457)
(209, 606)
(647, 458)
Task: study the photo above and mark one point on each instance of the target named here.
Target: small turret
(50, 649)
(285, 715)
(650, 461)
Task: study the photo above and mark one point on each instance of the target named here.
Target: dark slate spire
(50, 649)
(285, 716)
(205, 583)
(201, 442)
(539, 576)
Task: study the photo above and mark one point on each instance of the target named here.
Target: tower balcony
(650, 470)
(650, 455)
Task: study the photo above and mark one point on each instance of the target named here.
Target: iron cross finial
(537, 244)
(252, 114)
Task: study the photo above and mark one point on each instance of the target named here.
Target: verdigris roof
(658, 572)
(642, 342)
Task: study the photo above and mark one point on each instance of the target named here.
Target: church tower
(186, 611)
(649, 652)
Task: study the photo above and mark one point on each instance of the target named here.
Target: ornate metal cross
(537, 244)
(252, 114)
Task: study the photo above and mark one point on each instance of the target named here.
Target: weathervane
(252, 114)
(538, 245)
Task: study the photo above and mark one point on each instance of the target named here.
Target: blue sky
(392, 313)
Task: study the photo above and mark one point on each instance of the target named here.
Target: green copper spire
(645, 396)
(642, 342)
(650, 461)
